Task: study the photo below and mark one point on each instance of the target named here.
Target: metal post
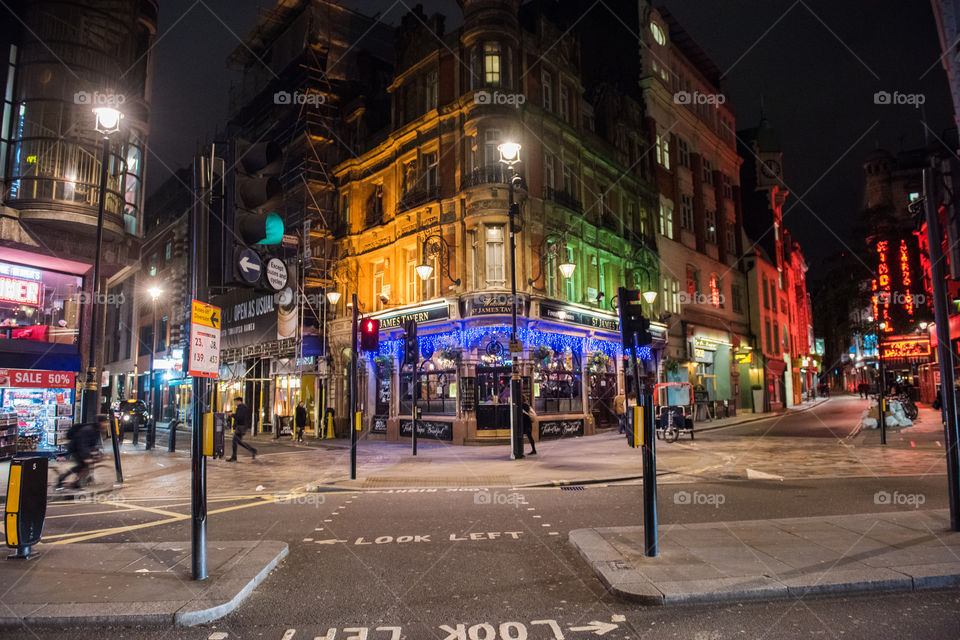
(152, 425)
(645, 400)
(114, 423)
(881, 404)
(944, 351)
(172, 442)
(354, 388)
(415, 394)
(516, 420)
(91, 387)
(198, 462)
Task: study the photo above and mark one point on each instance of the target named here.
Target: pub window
(556, 381)
(436, 390)
(565, 103)
(383, 368)
(547, 90)
(495, 256)
(412, 277)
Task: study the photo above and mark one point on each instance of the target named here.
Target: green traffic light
(273, 227)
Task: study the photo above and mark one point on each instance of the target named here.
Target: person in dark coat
(84, 441)
(528, 427)
(300, 420)
(241, 424)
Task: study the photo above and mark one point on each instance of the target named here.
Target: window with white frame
(686, 211)
(411, 273)
(430, 170)
(547, 86)
(495, 256)
(548, 172)
(710, 218)
(565, 103)
(571, 282)
(491, 63)
(663, 149)
(491, 140)
(378, 284)
(551, 273)
(683, 153)
(666, 218)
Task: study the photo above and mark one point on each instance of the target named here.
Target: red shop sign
(37, 379)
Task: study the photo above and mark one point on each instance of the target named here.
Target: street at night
(479, 319)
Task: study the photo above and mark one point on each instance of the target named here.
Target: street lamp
(650, 296)
(567, 269)
(154, 293)
(107, 123)
(509, 156)
(434, 246)
(333, 297)
(550, 247)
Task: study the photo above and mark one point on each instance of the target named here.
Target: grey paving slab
(775, 558)
(131, 583)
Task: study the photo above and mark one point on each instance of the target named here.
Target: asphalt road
(835, 419)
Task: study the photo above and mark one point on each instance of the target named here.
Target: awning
(776, 367)
(29, 354)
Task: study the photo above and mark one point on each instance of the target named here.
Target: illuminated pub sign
(20, 285)
(906, 347)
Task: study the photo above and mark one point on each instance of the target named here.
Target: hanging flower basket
(450, 353)
(383, 363)
(672, 365)
(599, 361)
(541, 353)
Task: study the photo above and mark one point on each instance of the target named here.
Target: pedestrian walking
(84, 442)
(300, 420)
(528, 427)
(620, 409)
(241, 424)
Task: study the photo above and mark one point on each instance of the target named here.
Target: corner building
(431, 192)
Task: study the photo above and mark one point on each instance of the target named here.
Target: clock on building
(771, 169)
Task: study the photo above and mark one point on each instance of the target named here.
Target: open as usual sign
(204, 340)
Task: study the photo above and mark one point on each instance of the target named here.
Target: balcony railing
(374, 213)
(563, 199)
(489, 174)
(417, 197)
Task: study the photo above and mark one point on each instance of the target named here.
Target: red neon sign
(913, 347)
(905, 274)
(19, 291)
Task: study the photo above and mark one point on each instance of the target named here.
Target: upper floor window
(495, 256)
(686, 211)
(565, 103)
(666, 218)
(547, 80)
(568, 185)
(345, 209)
(168, 250)
(548, 173)
(430, 170)
(430, 91)
(411, 274)
(663, 150)
(658, 34)
(731, 236)
(711, 223)
(736, 298)
(766, 294)
(716, 291)
(491, 63)
(773, 296)
(707, 172)
(727, 188)
(683, 153)
(693, 286)
(491, 140)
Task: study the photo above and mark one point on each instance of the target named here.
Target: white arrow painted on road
(246, 265)
(328, 541)
(597, 627)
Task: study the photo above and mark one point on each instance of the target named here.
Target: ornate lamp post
(154, 292)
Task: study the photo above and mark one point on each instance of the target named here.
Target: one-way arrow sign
(250, 265)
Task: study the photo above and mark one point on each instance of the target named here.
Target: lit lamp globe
(567, 269)
(424, 271)
(108, 120)
(154, 293)
(649, 296)
(333, 297)
(509, 153)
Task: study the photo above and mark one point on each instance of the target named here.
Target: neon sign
(907, 347)
(905, 274)
(19, 291)
(881, 287)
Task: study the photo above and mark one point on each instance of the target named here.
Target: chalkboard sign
(379, 424)
(701, 396)
(560, 429)
(468, 394)
(429, 429)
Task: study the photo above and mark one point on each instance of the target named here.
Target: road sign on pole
(276, 274)
(250, 266)
(204, 340)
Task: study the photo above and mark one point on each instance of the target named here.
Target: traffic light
(634, 430)
(411, 346)
(630, 306)
(369, 335)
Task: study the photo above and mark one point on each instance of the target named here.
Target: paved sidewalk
(794, 557)
(131, 583)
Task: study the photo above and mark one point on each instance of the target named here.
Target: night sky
(815, 64)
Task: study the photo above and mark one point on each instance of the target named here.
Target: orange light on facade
(906, 347)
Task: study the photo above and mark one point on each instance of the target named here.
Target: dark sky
(816, 64)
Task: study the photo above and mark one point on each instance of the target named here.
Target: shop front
(36, 411)
(716, 386)
(570, 370)
(775, 385)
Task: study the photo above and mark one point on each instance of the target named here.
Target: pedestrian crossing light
(369, 335)
(411, 346)
(632, 323)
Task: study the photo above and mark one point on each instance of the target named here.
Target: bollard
(172, 441)
(26, 505)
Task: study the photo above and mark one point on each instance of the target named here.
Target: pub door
(603, 391)
(493, 401)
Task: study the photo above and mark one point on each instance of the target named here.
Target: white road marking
(218, 635)
(288, 634)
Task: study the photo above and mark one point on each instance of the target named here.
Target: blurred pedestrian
(84, 442)
(528, 427)
(300, 420)
(241, 424)
(620, 409)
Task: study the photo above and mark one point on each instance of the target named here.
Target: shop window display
(436, 386)
(38, 305)
(557, 381)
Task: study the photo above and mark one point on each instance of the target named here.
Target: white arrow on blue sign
(250, 265)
